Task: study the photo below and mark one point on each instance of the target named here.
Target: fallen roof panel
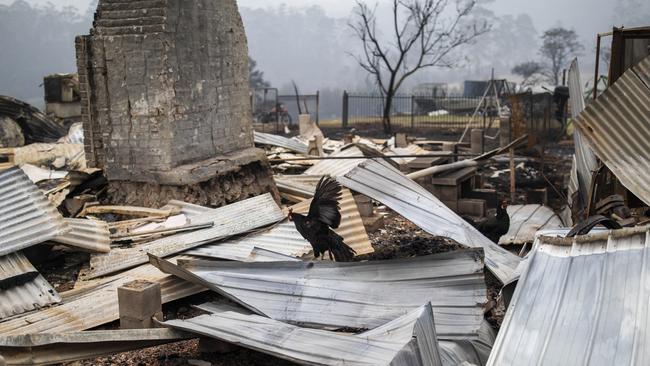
(22, 288)
(26, 216)
(380, 181)
(585, 159)
(234, 219)
(409, 340)
(335, 168)
(55, 348)
(88, 235)
(526, 220)
(285, 239)
(275, 140)
(616, 127)
(358, 295)
(94, 305)
(581, 301)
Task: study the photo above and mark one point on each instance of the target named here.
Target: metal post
(318, 107)
(596, 76)
(345, 111)
(512, 177)
(413, 112)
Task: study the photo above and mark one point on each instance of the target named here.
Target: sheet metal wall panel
(88, 235)
(382, 182)
(359, 295)
(26, 216)
(95, 305)
(337, 168)
(410, 342)
(275, 140)
(585, 159)
(23, 288)
(230, 220)
(581, 301)
(616, 126)
(526, 220)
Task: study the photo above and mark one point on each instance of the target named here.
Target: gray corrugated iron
(585, 160)
(284, 239)
(358, 295)
(581, 301)
(22, 288)
(55, 348)
(234, 219)
(26, 216)
(94, 305)
(335, 168)
(616, 126)
(409, 340)
(526, 220)
(275, 140)
(297, 185)
(382, 182)
(88, 235)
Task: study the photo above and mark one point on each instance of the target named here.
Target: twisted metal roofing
(275, 140)
(617, 129)
(409, 340)
(26, 216)
(380, 181)
(22, 288)
(234, 219)
(88, 235)
(526, 221)
(358, 295)
(581, 301)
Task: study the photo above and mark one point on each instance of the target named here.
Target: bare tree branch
(423, 37)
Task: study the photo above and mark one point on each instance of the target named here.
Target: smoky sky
(309, 41)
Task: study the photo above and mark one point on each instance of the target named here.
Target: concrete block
(131, 323)
(138, 301)
(401, 140)
(453, 205)
(477, 141)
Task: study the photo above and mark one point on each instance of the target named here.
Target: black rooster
(324, 215)
(496, 226)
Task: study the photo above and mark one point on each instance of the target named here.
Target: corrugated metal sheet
(95, 304)
(88, 235)
(275, 140)
(585, 159)
(380, 181)
(48, 349)
(581, 301)
(336, 168)
(616, 126)
(284, 239)
(409, 150)
(22, 288)
(358, 295)
(298, 185)
(234, 219)
(409, 340)
(26, 216)
(526, 221)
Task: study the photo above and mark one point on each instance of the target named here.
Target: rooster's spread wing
(325, 205)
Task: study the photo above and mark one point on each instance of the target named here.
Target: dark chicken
(324, 215)
(496, 226)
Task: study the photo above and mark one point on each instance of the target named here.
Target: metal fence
(418, 111)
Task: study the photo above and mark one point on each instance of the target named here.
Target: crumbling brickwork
(163, 83)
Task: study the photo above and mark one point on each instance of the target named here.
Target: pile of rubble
(417, 293)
